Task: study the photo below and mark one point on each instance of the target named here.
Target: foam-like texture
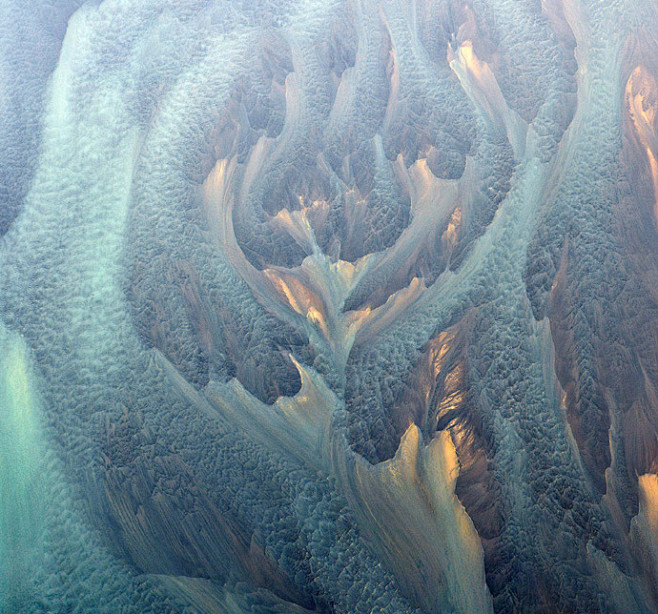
(329, 306)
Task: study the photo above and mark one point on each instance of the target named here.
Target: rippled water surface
(329, 306)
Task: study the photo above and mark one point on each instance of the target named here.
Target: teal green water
(21, 474)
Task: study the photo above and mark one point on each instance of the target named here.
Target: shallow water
(317, 306)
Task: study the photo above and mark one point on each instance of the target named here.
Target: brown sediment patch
(593, 443)
(644, 528)
(438, 398)
(408, 510)
(165, 523)
(641, 98)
